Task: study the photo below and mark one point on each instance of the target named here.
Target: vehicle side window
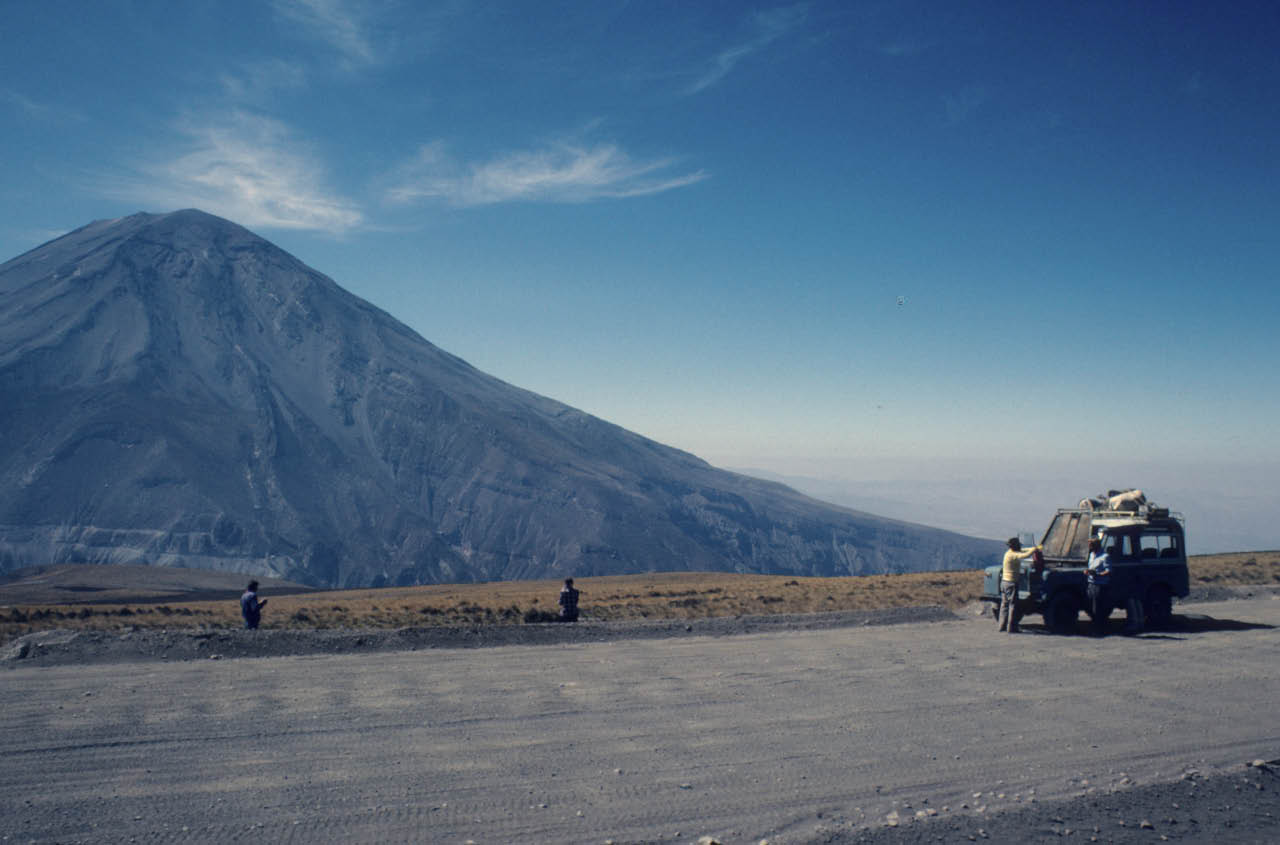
(1159, 544)
(1121, 547)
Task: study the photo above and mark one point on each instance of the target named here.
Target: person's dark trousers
(1098, 607)
(1135, 613)
(1008, 598)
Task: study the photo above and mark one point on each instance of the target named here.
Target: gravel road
(917, 732)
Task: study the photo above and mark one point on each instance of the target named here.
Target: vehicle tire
(1159, 606)
(1063, 612)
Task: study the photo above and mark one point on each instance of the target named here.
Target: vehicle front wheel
(1062, 613)
(1159, 606)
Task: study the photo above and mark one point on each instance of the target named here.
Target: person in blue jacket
(1099, 574)
(250, 607)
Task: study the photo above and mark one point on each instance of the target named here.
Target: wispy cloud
(564, 173)
(248, 168)
(39, 111)
(767, 27)
(343, 24)
(257, 81)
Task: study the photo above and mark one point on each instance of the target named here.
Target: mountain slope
(179, 391)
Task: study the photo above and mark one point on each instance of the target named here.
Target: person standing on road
(250, 607)
(568, 602)
(1099, 573)
(1009, 583)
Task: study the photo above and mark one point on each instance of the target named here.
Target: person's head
(1015, 544)
(1095, 545)
(568, 582)
(253, 587)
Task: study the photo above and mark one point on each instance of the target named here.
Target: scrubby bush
(532, 616)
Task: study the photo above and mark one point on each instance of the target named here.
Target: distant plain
(108, 598)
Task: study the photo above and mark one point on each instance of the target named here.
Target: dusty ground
(69, 647)
(1235, 805)
(819, 729)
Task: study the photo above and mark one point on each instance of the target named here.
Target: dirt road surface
(795, 736)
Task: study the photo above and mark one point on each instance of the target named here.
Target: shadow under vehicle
(1148, 556)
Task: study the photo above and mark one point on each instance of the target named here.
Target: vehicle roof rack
(1142, 514)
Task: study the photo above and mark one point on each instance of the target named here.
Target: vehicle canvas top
(1067, 540)
(1068, 536)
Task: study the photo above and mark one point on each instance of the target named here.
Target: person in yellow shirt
(1009, 583)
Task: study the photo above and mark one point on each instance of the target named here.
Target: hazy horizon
(1227, 509)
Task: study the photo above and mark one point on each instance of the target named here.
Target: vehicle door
(1126, 567)
(1163, 559)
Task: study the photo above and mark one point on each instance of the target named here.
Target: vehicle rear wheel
(1159, 606)
(1062, 613)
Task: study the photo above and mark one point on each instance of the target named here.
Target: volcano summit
(177, 391)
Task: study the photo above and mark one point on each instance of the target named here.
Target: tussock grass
(1235, 569)
(655, 596)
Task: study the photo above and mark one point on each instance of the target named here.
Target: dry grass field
(673, 595)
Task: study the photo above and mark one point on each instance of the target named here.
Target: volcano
(177, 391)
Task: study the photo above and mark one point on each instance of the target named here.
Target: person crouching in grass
(568, 602)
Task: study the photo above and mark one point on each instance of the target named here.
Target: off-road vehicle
(1148, 557)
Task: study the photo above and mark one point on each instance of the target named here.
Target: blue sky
(813, 238)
